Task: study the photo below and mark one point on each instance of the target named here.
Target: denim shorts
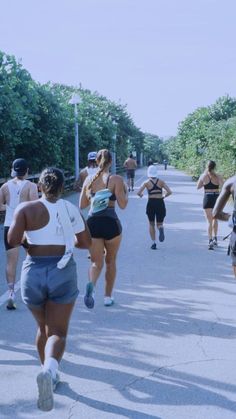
(42, 281)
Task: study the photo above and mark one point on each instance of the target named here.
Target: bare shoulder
(116, 179)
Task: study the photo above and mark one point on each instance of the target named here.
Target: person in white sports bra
(49, 228)
(12, 193)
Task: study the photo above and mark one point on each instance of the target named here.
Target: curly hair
(51, 181)
(103, 160)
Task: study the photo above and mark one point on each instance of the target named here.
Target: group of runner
(50, 227)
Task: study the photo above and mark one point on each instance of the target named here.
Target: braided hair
(103, 160)
(51, 181)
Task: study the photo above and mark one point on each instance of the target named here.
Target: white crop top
(52, 233)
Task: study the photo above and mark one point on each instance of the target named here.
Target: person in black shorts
(211, 182)
(155, 210)
(130, 165)
(102, 191)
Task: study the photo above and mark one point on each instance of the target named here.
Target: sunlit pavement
(167, 347)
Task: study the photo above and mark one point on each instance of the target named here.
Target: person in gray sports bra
(49, 228)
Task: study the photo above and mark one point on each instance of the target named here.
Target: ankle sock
(52, 365)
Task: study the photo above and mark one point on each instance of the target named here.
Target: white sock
(52, 365)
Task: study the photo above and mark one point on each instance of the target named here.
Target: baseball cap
(92, 155)
(19, 167)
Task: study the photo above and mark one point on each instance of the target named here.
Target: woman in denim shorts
(48, 277)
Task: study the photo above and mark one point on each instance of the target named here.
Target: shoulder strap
(108, 180)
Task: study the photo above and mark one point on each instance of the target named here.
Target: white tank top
(52, 233)
(92, 170)
(14, 187)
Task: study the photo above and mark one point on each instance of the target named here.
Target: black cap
(19, 167)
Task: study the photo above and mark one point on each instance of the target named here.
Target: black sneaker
(153, 246)
(161, 234)
(211, 245)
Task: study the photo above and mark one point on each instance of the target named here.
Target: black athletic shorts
(130, 173)
(209, 199)
(104, 227)
(156, 210)
(7, 246)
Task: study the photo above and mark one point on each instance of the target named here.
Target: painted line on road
(4, 297)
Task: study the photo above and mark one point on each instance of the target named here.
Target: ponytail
(103, 160)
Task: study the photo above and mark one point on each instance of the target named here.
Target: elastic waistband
(43, 259)
(212, 193)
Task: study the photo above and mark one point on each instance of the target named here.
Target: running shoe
(153, 246)
(108, 301)
(89, 295)
(11, 305)
(45, 389)
(211, 245)
(161, 234)
(215, 241)
(55, 381)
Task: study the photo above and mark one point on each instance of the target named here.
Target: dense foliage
(37, 122)
(207, 133)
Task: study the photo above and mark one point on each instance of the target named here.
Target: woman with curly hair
(49, 228)
(101, 192)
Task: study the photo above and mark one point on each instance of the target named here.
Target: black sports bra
(155, 189)
(112, 197)
(211, 185)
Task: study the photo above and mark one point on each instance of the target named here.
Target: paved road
(166, 349)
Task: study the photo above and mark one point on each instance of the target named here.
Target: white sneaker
(45, 389)
(108, 301)
(11, 305)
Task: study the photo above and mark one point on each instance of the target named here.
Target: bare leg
(152, 230)
(215, 227)
(209, 218)
(234, 269)
(12, 258)
(53, 322)
(97, 259)
(112, 247)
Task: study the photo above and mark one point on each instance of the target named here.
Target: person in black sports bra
(211, 182)
(104, 225)
(155, 210)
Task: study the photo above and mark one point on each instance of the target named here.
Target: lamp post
(75, 100)
(113, 152)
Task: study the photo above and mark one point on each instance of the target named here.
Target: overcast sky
(163, 58)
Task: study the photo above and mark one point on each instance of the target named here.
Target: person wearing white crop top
(12, 193)
(49, 228)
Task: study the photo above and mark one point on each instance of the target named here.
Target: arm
(218, 212)
(33, 193)
(2, 199)
(141, 189)
(84, 201)
(121, 192)
(79, 182)
(167, 189)
(83, 239)
(17, 228)
(125, 164)
(200, 183)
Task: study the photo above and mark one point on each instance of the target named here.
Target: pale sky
(163, 58)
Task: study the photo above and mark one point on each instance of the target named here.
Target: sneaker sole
(109, 304)
(88, 298)
(45, 389)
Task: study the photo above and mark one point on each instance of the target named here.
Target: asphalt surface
(167, 347)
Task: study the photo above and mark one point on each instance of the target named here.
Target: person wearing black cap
(90, 170)
(12, 193)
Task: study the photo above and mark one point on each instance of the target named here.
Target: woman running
(211, 182)
(104, 225)
(49, 228)
(155, 210)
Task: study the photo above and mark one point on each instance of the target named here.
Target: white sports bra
(52, 233)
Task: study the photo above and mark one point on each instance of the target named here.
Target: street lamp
(75, 100)
(113, 152)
